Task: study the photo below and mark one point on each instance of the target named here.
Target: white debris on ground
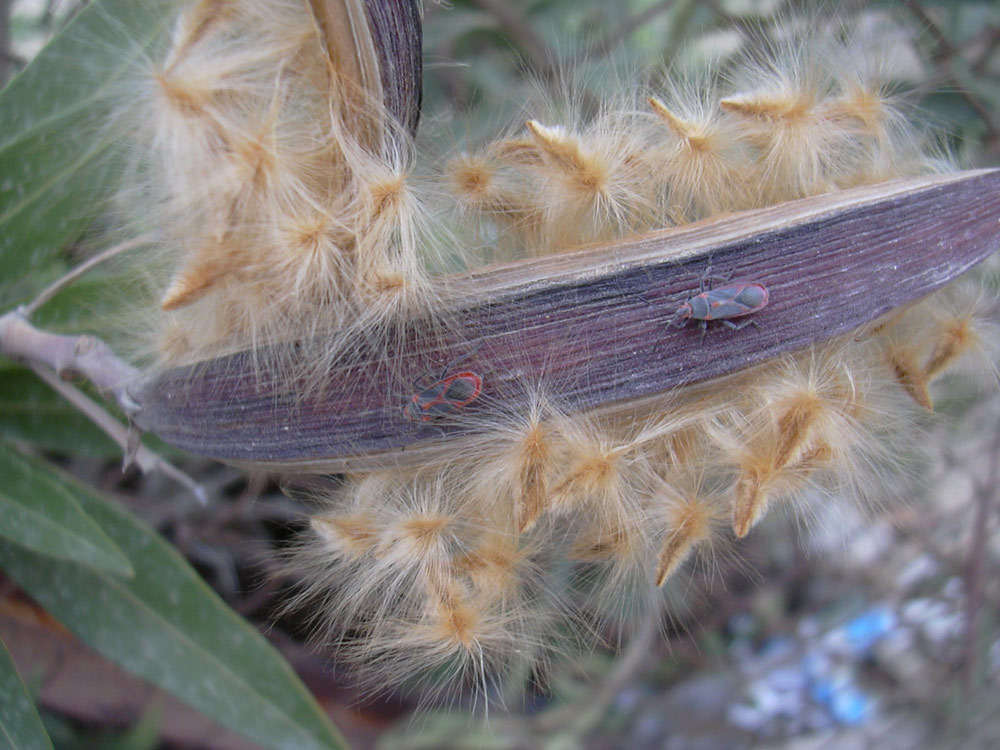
(876, 654)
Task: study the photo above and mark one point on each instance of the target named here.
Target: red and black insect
(446, 396)
(734, 300)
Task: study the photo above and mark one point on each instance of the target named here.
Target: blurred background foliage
(859, 633)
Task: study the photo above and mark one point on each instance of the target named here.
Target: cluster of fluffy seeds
(812, 116)
(282, 191)
(290, 210)
(560, 521)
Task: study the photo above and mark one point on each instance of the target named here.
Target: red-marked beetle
(446, 396)
(734, 300)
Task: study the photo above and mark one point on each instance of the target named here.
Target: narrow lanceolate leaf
(20, 725)
(40, 510)
(596, 323)
(167, 626)
(58, 147)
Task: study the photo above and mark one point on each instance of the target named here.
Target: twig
(48, 15)
(52, 357)
(992, 42)
(624, 30)
(584, 715)
(68, 278)
(142, 456)
(944, 48)
(66, 355)
(518, 28)
(943, 56)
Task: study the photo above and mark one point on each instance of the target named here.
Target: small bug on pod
(734, 300)
(446, 396)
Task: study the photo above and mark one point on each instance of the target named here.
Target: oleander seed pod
(315, 297)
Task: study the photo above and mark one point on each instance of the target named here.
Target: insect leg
(707, 276)
(464, 357)
(739, 326)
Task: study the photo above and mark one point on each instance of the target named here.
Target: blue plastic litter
(865, 630)
(851, 706)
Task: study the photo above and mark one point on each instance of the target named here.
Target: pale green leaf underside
(60, 152)
(40, 510)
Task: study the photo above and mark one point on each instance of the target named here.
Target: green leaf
(39, 510)
(167, 626)
(59, 157)
(32, 412)
(20, 726)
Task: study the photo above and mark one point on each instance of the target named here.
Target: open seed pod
(723, 304)
(593, 326)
